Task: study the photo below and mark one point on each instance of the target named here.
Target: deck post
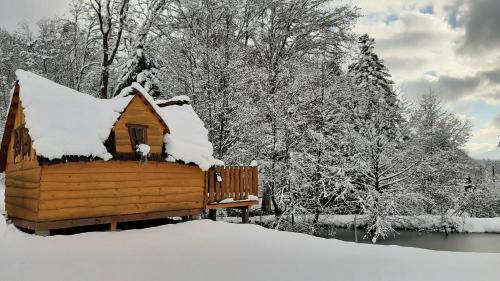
(245, 215)
(212, 214)
(112, 226)
(42, 232)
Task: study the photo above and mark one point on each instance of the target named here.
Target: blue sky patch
(452, 20)
(391, 18)
(427, 10)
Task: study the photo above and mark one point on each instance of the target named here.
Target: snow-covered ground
(206, 250)
(422, 222)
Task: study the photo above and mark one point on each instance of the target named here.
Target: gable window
(26, 141)
(17, 141)
(138, 134)
(22, 141)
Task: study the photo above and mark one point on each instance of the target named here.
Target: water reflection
(456, 242)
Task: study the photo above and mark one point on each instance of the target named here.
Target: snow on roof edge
(179, 98)
(136, 86)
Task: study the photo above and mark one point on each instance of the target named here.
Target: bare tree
(289, 31)
(111, 15)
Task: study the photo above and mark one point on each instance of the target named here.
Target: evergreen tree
(371, 75)
(369, 70)
(139, 68)
(377, 135)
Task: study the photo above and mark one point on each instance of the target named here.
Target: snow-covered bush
(482, 202)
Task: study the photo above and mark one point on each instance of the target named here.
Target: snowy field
(206, 250)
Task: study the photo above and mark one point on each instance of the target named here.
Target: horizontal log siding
(94, 189)
(22, 181)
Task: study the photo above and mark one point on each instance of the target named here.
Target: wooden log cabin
(71, 159)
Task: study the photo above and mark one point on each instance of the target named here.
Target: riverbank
(421, 223)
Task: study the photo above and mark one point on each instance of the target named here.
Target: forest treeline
(287, 83)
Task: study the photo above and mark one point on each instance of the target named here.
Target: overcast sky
(452, 46)
(14, 11)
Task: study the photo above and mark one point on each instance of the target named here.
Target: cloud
(449, 46)
(482, 24)
(448, 88)
(483, 140)
(456, 87)
(492, 75)
(496, 121)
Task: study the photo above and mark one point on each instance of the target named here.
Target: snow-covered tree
(439, 136)
(378, 136)
(287, 32)
(139, 66)
(370, 74)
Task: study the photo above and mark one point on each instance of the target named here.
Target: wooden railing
(236, 182)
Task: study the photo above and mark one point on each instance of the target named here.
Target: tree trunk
(103, 94)
(277, 209)
(317, 212)
(266, 201)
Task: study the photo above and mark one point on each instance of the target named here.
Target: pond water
(456, 242)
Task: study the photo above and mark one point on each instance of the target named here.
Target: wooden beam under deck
(48, 225)
(232, 204)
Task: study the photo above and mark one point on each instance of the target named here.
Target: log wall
(22, 181)
(137, 112)
(98, 188)
(22, 176)
(19, 120)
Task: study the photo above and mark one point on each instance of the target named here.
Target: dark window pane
(139, 135)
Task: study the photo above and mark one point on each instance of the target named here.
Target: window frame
(131, 132)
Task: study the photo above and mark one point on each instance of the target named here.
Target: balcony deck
(231, 187)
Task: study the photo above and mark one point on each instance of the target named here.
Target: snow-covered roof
(179, 98)
(188, 137)
(64, 122)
